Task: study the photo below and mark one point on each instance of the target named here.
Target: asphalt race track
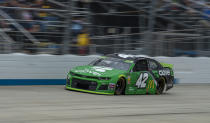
(53, 104)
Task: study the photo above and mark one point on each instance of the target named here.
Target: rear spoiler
(171, 66)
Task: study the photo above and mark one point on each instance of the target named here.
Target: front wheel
(120, 87)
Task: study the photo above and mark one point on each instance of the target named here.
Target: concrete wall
(190, 70)
(49, 67)
(20, 66)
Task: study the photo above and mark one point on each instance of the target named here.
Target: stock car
(120, 74)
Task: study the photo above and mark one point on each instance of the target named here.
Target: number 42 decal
(142, 80)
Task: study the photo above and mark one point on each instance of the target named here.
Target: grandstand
(156, 28)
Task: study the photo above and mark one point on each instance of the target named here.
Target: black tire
(120, 87)
(161, 86)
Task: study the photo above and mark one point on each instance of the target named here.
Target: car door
(141, 80)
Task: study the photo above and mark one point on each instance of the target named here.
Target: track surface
(53, 104)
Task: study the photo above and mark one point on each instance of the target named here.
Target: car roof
(127, 56)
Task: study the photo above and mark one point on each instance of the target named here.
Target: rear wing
(167, 65)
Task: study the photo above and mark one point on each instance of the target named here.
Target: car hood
(98, 71)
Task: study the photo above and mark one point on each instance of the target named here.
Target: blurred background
(151, 27)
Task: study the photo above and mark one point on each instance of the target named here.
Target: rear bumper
(88, 91)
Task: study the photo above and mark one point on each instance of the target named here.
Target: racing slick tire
(161, 87)
(120, 87)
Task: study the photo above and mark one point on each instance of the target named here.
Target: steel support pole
(159, 48)
(67, 37)
(140, 26)
(152, 15)
(19, 27)
(151, 26)
(8, 41)
(88, 17)
(199, 45)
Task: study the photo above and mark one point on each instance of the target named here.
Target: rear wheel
(161, 86)
(120, 87)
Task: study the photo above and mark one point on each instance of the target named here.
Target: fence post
(160, 49)
(67, 37)
(151, 25)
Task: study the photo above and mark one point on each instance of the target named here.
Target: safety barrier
(21, 69)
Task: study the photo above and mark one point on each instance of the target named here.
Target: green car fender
(122, 76)
(115, 79)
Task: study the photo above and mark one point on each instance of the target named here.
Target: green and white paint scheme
(102, 76)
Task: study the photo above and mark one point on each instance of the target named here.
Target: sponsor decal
(164, 72)
(102, 69)
(129, 79)
(88, 71)
(151, 84)
(97, 70)
(131, 89)
(112, 85)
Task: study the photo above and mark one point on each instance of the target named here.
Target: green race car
(119, 74)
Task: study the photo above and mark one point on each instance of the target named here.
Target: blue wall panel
(32, 81)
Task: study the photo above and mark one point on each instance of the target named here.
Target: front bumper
(90, 85)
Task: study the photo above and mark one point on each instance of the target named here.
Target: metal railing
(57, 36)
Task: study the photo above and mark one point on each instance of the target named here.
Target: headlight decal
(111, 85)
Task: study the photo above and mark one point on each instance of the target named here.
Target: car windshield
(113, 63)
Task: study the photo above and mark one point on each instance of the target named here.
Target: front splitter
(87, 91)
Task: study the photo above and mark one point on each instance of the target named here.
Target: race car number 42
(141, 82)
